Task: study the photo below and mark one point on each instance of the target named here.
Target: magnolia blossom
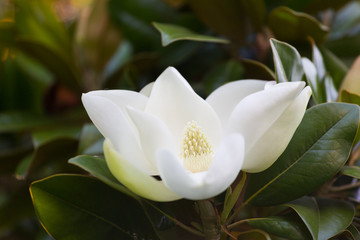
(166, 142)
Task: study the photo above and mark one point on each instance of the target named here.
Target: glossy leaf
(335, 217)
(351, 171)
(289, 25)
(289, 227)
(84, 208)
(171, 33)
(308, 211)
(98, 168)
(287, 60)
(318, 150)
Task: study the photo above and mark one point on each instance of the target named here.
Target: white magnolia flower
(196, 146)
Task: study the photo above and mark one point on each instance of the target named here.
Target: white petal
(224, 99)
(153, 134)
(196, 186)
(146, 91)
(274, 141)
(174, 101)
(121, 98)
(113, 124)
(138, 182)
(258, 112)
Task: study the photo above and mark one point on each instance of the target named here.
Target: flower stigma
(196, 150)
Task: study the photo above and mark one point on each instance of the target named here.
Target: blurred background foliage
(51, 51)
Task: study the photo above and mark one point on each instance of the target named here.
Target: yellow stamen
(196, 149)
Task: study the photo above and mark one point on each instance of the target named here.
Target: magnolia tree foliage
(103, 138)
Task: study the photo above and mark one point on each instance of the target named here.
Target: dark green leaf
(318, 150)
(98, 168)
(289, 227)
(308, 211)
(256, 11)
(171, 33)
(351, 171)
(79, 207)
(289, 25)
(354, 232)
(287, 60)
(335, 217)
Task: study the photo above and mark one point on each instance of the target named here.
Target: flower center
(196, 149)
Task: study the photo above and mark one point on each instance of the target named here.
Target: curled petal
(224, 99)
(153, 134)
(114, 124)
(257, 113)
(174, 102)
(274, 141)
(227, 163)
(146, 91)
(137, 181)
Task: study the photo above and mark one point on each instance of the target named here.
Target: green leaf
(221, 74)
(351, 171)
(308, 211)
(257, 70)
(289, 227)
(232, 197)
(354, 232)
(335, 217)
(80, 207)
(318, 150)
(98, 168)
(289, 25)
(287, 60)
(171, 33)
